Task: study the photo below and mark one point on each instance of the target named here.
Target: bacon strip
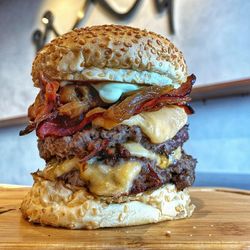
(188, 109)
(157, 103)
(43, 110)
(48, 99)
(56, 128)
(147, 98)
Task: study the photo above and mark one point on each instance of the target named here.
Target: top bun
(111, 53)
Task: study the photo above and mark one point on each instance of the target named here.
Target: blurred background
(214, 37)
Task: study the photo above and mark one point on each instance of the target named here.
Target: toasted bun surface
(113, 53)
(51, 203)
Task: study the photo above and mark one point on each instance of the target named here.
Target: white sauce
(111, 92)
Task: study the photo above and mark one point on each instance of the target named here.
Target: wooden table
(221, 221)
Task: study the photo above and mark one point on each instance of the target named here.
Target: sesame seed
(108, 51)
(118, 54)
(82, 42)
(153, 51)
(158, 42)
(127, 44)
(87, 51)
(124, 49)
(114, 62)
(117, 42)
(149, 42)
(137, 60)
(94, 40)
(97, 54)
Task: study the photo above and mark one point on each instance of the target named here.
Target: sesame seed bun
(51, 203)
(111, 53)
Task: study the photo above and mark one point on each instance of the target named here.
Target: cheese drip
(109, 181)
(160, 125)
(102, 179)
(162, 161)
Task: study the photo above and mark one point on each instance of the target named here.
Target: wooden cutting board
(221, 221)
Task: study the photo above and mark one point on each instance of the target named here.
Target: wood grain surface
(221, 221)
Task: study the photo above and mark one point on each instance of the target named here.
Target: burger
(111, 121)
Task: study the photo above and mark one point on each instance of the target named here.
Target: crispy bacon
(49, 123)
(185, 88)
(158, 103)
(57, 127)
(44, 104)
(31, 126)
(148, 98)
(46, 101)
(188, 109)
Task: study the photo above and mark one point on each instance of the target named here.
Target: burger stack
(111, 121)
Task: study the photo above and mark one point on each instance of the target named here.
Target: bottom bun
(51, 203)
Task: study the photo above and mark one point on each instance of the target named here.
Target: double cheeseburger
(111, 120)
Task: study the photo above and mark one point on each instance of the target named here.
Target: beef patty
(181, 173)
(83, 143)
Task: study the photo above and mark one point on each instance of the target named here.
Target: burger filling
(119, 144)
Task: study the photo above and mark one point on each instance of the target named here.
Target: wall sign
(40, 37)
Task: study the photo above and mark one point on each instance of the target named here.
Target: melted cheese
(138, 150)
(109, 181)
(162, 161)
(104, 123)
(102, 179)
(160, 125)
(54, 170)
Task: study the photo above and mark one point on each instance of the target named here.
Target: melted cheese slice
(109, 181)
(54, 170)
(102, 179)
(136, 149)
(160, 125)
(162, 161)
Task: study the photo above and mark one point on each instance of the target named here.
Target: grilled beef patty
(181, 173)
(82, 143)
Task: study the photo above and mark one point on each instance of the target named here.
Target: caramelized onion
(73, 109)
(126, 108)
(147, 98)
